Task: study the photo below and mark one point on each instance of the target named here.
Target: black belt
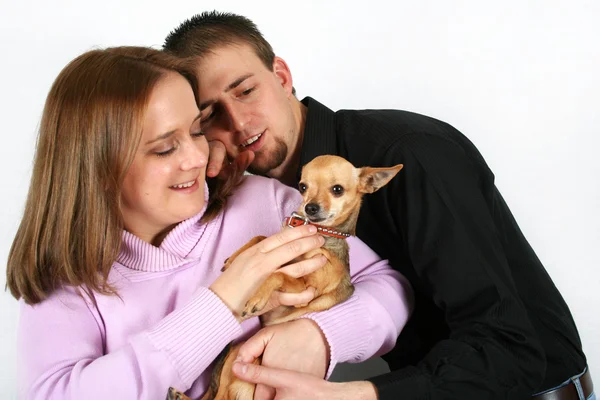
(569, 392)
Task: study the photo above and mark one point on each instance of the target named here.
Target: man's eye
(207, 117)
(337, 190)
(247, 91)
(302, 187)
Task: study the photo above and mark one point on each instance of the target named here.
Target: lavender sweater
(167, 327)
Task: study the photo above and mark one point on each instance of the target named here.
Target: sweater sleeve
(62, 349)
(369, 322)
(446, 202)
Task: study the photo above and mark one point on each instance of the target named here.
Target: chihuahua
(332, 190)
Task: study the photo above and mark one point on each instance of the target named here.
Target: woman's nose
(195, 155)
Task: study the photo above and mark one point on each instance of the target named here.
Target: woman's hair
(91, 126)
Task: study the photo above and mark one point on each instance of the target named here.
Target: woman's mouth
(184, 185)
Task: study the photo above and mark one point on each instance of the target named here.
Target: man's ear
(372, 179)
(283, 73)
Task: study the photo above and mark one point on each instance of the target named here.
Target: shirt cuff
(345, 330)
(194, 335)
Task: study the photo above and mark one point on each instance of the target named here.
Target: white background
(520, 78)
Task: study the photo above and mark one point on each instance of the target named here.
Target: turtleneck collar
(178, 247)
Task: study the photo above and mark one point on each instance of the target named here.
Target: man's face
(248, 107)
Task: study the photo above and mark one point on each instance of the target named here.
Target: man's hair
(203, 33)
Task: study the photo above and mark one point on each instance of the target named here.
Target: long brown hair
(71, 229)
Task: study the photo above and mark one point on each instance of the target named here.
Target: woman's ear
(283, 73)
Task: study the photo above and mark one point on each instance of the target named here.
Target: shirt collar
(320, 135)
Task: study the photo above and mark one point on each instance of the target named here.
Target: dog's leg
(250, 243)
(215, 377)
(173, 394)
(276, 281)
(225, 385)
(324, 302)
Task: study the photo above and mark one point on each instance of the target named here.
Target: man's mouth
(251, 140)
(183, 185)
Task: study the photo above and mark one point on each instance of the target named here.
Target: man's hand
(296, 385)
(218, 164)
(296, 345)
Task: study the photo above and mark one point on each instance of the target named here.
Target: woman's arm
(369, 322)
(62, 353)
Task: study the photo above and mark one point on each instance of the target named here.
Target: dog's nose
(311, 209)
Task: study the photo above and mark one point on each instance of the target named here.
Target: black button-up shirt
(488, 321)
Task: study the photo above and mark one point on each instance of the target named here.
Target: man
(488, 321)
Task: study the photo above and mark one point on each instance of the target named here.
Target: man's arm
(445, 212)
(292, 385)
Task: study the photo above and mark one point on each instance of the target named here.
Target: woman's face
(165, 183)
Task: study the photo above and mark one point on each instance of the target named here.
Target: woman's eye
(165, 153)
(337, 190)
(302, 187)
(198, 134)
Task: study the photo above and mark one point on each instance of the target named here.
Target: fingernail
(312, 228)
(321, 258)
(240, 368)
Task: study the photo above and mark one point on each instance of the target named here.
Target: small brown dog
(332, 190)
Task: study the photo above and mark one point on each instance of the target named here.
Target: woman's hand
(252, 266)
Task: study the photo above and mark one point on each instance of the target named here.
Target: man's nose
(238, 118)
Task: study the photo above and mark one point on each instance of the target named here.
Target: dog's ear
(373, 179)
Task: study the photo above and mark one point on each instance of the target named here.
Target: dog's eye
(337, 190)
(302, 187)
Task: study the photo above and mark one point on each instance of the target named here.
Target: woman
(117, 259)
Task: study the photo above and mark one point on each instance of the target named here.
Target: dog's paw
(226, 264)
(228, 261)
(254, 305)
(173, 394)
